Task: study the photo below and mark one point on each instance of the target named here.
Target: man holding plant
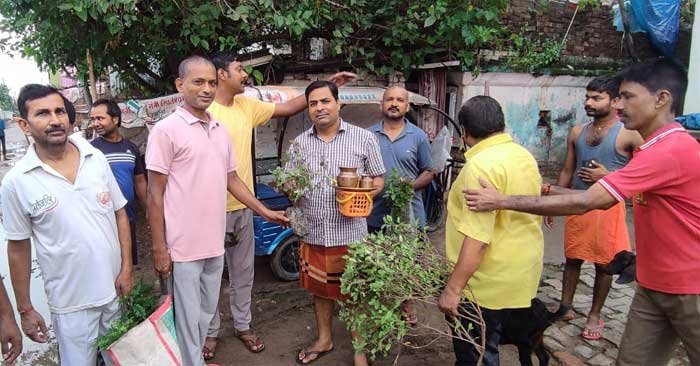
(240, 115)
(330, 144)
(191, 164)
(405, 148)
(498, 254)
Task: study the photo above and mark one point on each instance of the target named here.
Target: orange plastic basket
(354, 204)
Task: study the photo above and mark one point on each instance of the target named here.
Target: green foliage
(145, 39)
(7, 103)
(386, 269)
(527, 57)
(382, 271)
(136, 307)
(257, 76)
(399, 193)
(293, 177)
(588, 4)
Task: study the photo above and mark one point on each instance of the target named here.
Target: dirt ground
(283, 317)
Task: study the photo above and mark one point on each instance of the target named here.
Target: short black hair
(657, 74)
(70, 110)
(184, 66)
(112, 108)
(31, 92)
(318, 84)
(481, 116)
(221, 60)
(605, 84)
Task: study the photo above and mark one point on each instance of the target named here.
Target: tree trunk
(91, 75)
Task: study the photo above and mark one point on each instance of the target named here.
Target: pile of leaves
(388, 268)
(136, 307)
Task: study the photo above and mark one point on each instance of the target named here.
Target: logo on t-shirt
(44, 204)
(103, 198)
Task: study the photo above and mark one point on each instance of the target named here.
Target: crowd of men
(196, 186)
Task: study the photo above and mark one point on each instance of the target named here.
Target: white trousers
(77, 331)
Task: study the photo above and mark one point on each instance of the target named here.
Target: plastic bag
(440, 149)
(690, 121)
(151, 343)
(658, 18)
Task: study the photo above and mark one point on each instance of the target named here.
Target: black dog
(525, 329)
(624, 264)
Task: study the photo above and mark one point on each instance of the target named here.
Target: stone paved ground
(563, 339)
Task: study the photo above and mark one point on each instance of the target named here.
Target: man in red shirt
(662, 179)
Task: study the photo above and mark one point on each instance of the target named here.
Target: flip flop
(251, 340)
(209, 353)
(307, 353)
(594, 332)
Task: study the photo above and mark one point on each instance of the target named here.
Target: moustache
(55, 129)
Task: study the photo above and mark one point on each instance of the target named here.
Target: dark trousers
(4, 148)
(373, 229)
(494, 320)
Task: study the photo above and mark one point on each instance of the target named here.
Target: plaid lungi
(321, 269)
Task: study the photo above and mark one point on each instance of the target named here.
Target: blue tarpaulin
(690, 121)
(658, 18)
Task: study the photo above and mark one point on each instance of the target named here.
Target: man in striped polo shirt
(123, 157)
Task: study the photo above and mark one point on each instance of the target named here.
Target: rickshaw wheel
(285, 259)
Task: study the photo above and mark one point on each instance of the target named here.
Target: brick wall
(592, 34)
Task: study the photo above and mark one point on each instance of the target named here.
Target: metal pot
(366, 182)
(348, 178)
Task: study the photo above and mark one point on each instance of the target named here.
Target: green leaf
(81, 13)
(429, 21)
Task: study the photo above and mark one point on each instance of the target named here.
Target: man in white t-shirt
(62, 195)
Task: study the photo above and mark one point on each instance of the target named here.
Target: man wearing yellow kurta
(499, 253)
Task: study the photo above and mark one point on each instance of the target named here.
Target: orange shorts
(596, 236)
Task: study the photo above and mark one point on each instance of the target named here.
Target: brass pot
(366, 182)
(348, 178)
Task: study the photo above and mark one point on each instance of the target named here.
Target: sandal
(208, 351)
(594, 332)
(251, 341)
(304, 353)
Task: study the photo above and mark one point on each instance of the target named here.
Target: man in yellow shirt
(499, 253)
(240, 115)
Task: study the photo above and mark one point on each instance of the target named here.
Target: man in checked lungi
(329, 144)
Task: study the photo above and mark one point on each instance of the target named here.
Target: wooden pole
(629, 42)
(91, 75)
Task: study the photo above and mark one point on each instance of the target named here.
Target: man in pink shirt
(662, 179)
(191, 165)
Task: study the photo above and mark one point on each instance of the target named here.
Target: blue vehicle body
(268, 235)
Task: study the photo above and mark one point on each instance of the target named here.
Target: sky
(16, 71)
